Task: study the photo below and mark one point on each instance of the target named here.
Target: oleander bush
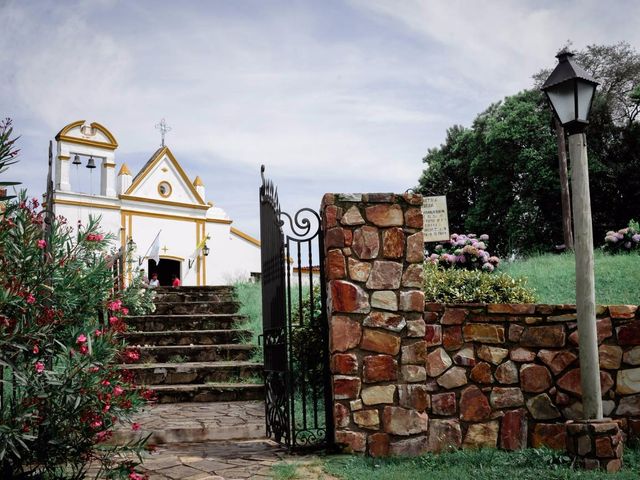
(624, 240)
(449, 285)
(465, 252)
(60, 322)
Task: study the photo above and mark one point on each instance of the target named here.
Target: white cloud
(317, 91)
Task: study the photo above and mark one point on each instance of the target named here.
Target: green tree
(501, 175)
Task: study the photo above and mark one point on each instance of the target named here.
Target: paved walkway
(214, 460)
(198, 422)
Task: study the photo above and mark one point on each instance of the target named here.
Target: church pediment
(91, 134)
(162, 179)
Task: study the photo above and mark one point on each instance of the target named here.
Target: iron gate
(298, 405)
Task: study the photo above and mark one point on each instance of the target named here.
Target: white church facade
(197, 240)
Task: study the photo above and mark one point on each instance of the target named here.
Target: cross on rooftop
(165, 249)
(164, 129)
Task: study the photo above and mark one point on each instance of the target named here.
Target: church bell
(91, 163)
(76, 160)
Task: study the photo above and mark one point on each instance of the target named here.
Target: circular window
(164, 189)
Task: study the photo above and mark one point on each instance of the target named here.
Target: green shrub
(467, 286)
(60, 346)
(624, 240)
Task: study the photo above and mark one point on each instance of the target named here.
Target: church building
(160, 208)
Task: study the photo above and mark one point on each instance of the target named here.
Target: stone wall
(509, 373)
(410, 377)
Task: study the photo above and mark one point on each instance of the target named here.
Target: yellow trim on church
(124, 170)
(245, 236)
(112, 144)
(197, 182)
(73, 203)
(134, 198)
(150, 166)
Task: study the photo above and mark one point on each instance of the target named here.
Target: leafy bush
(464, 252)
(60, 319)
(469, 286)
(624, 240)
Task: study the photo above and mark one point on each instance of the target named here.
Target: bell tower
(88, 144)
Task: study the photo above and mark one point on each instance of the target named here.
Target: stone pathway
(197, 422)
(212, 460)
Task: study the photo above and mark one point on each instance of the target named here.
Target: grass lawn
(531, 464)
(552, 277)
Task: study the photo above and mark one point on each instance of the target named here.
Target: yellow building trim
(112, 144)
(219, 220)
(204, 259)
(123, 241)
(135, 198)
(124, 170)
(130, 236)
(75, 203)
(63, 157)
(159, 155)
(108, 165)
(198, 182)
(245, 236)
(160, 215)
(198, 257)
(171, 257)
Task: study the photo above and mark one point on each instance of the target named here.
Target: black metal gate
(299, 410)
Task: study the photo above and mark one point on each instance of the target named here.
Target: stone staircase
(190, 349)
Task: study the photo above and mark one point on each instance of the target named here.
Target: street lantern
(205, 250)
(570, 91)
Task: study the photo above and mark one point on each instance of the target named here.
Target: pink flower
(31, 299)
(42, 244)
(98, 333)
(135, 426)
(113, 320)
(39, 367)
(136, 476)
(36, 349)
(118, 390)
(81, 339)
(103, 435)
(124, 311)
(114, 305)
(84, 349)
(96, 424)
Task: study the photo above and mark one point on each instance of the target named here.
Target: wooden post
(585, 287)
(564, 186)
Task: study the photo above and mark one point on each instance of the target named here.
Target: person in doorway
(175, 281)
(154, 282)
(144, 279)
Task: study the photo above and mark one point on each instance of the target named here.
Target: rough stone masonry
(410, 377)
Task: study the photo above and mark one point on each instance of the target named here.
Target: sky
(330, 95)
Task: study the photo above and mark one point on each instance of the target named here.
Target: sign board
(436, 219)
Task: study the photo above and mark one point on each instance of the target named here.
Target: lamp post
(570, 91)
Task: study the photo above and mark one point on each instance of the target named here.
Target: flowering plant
(62, 391)
(624, 240)
(464, 252)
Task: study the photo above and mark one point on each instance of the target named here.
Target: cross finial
(164, 128)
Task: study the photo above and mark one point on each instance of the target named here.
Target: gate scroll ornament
(298, 405)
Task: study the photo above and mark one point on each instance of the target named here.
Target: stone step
(203, 321)
(155, 374)
(196, 353)
(195, 294)
(187, 308)
(210, 392)
(195, 422)
(186, 337)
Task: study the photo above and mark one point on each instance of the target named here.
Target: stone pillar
(374, 253)
(595, 444)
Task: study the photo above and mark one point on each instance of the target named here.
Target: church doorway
(165, 269)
